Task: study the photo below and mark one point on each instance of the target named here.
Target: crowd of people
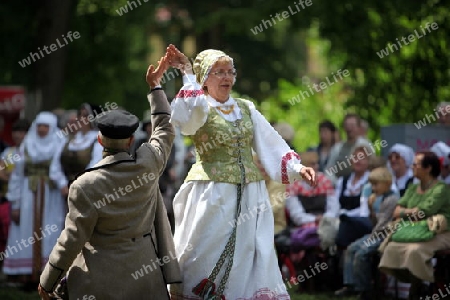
(361, 200)
(238, 165)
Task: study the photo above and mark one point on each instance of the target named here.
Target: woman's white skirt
(205, 215)
(21, 238)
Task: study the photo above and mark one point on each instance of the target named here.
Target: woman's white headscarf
(442, 150)
(42, 148)
(406, 152)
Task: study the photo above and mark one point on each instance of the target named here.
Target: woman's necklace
(226, 111)
(427, 186)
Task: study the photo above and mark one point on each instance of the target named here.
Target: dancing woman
(223, 219)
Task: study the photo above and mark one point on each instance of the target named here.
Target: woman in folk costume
(307, 205)
(9, 157)
(36, 202)
(401, 158)
(223, 220)
(442, 150)
(81, 152)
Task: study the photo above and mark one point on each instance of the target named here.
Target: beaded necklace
(226, 111)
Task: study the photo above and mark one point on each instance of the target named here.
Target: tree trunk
(53, 25)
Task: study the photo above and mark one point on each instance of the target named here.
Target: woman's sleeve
(56, 169)
(96, 154)
(435, 200)
(364, 200)
(297, 213)
(189, 108)
(332, 207)
(385, 215)
(337, 193)
(281, 163)
(403, 202)
(14, 193)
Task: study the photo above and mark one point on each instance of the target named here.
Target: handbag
(305, 237)
(327, 231)
(413, 232)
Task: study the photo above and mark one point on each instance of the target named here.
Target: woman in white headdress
(36, 202)
(224, 228)
(82, 151)
(442, 150)
(400, 160)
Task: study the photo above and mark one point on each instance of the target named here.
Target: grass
(296, 296)
(13, 294)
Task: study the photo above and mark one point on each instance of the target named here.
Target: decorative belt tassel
(205, 288)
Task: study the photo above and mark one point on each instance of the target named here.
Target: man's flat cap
(117, 124)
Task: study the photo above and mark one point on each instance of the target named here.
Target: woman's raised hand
(178, 60)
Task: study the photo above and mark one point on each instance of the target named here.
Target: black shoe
(345, 291)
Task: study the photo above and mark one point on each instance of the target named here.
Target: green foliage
(305, 115)
(109, 61)
(404, 85)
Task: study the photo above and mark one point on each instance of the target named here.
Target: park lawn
(13, 294)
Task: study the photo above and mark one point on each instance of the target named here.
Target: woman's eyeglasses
(222, 74)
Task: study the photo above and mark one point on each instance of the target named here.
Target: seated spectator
(347, 199)
(357, 260)
(277, 192)
(306, 205)
(374, 162)
(442, 150)
(327, 135)
(411, 262)
(287, 133)
(443, 110)
(338, 163)
(400, 161)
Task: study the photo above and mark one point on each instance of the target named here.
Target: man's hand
(309, 176)
(154, 76)
(65, 192)
(178, 60)
(44, 295)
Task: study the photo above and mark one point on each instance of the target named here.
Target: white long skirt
(204, 219)
(21, 238)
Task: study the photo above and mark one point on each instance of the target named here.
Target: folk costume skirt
(205, 215)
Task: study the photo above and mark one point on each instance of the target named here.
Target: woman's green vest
(220, 145)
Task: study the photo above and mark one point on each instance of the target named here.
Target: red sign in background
(12, 102)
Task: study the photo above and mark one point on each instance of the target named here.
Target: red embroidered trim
(284, 160)
(189, 93)
(260, 294)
